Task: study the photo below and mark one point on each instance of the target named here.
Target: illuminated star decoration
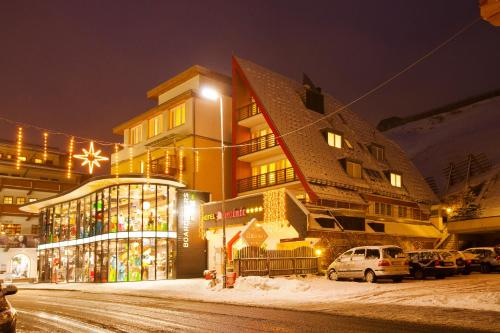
(91, 157)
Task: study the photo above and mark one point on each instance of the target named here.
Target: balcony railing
(257, 144)
(248, 111)
(273, 178)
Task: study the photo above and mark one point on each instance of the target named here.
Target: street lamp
(214, 95)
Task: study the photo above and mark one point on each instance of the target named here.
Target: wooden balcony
(248, 111)
(273, 178)
(257, 144)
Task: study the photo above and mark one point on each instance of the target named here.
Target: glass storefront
(124, 232)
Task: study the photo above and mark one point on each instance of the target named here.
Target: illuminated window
(22, 158)
(377, 152)
(353, 169)
(31, 199)
(136, 134)
(11, 229)
(8, 200)
(334, 139)
(20, 200)
(155, 126)
(38, 161)
(34, 229)
(177, 116)
(395, 179)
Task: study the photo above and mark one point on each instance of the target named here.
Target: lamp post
(214, 95)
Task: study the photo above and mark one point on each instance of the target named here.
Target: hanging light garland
(70, 157)
(167, 162)
(181, 165)
(130, 159)
(148, 165)
(45, 146)
(275, 208)
(19, 147)
(116, 161)
(196, 161)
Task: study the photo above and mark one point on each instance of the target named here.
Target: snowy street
(462, 301)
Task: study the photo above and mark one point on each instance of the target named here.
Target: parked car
(8, 315)
(370, 263)
(466, 262)
(489, 258)
(437, 263)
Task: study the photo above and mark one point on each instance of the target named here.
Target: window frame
(173, 116)
(155, 126)
(354, 164)
(5, 197)
(377, 150)
(396, 179)
(135, 134)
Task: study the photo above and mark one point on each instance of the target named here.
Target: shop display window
(57, 224)
(93, 209)
(64, 222)
(172, 254)
(161, 258)
(113, 211)
(162, 208)
(134, 260)
(148, 259)
(70, 252)
(135, 208)
(72, 219)
(105, 210)
(149, 207)
(86, 221)
(123, 208)
(98, 207)
(80, 272)
(122, 260)
(172, 223)
(112, 261)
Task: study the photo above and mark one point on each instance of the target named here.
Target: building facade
(40, 174)
(121, 229)
(325, 177)
(162, 140)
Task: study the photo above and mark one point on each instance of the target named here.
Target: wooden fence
(256, 261)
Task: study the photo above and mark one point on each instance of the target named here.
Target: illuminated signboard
(191, 247)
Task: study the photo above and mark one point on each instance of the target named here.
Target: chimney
(314, 99)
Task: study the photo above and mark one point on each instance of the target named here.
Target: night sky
(84, 66)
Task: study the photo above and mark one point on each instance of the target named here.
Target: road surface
(74, 311)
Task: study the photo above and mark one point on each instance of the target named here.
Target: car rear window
(393, 252)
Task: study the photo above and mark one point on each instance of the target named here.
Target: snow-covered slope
(432, 143)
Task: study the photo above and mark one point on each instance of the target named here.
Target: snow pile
(250, 283)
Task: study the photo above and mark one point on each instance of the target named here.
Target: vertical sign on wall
(191, 247)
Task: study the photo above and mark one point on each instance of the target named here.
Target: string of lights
(80, 139)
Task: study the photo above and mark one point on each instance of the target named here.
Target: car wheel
(332, 275)
(466, 271)
(370, 276)
(397, 280)
(419, 274)
(485, 268)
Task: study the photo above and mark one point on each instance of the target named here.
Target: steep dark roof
(281, 101)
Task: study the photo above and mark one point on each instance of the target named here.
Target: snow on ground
(474, 292)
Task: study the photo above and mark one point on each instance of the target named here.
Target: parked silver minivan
(370, 263)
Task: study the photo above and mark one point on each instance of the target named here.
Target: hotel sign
(254, 235)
